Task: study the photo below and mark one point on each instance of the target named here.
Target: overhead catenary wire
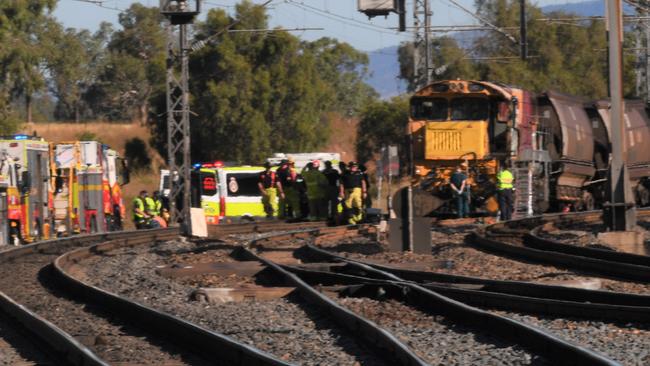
(342, 19)
(100, 3)
(484, 21)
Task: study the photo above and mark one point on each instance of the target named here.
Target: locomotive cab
(473, 123)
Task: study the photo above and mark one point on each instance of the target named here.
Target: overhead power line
(99, 3)
(484, 21)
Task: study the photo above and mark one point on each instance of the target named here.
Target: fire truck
(87, 179)
(24, 188)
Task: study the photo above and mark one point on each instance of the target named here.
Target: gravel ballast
(287, 328)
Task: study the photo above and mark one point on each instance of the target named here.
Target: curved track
(408, 293)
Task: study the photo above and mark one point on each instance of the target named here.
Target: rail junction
(275, 293)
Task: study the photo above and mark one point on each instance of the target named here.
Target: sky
(338, 18)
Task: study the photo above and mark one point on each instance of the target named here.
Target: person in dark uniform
(458, 183)
(282, 176)
(333, 177)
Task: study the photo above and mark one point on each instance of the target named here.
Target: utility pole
(646, 26)
(421, 43)
(180, 13)
(619, 212)
(522, 30)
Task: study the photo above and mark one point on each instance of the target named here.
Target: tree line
(254, 93)
(568, 57)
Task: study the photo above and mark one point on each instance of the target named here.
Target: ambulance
(226, 193)
(24, 167)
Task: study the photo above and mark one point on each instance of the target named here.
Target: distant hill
(384, 66)
(584, 8)
(384, 69)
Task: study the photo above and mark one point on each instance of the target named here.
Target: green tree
(74, 66)
(448, 61)
(134, 67)
(23, 47)
(254, 93)
(383, 123)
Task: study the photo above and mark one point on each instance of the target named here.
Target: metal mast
(619, 212)
(180, 13)
(421, 43)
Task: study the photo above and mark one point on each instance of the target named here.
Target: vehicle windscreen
(242, 184)
(430, 109)
(469, 109)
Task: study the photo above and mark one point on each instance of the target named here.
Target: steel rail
(555, 348)
(206, 342)
(60, 345)
(537, 249)
(214, 344)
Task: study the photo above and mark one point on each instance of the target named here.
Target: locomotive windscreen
(469, 109)
(430, 109)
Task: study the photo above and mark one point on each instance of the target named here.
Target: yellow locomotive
(556, 145)
(474, 124)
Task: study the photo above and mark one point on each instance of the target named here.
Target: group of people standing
(148, 211)
(505, 187)
(314, 194)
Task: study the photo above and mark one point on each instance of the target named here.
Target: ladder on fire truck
(530, 170)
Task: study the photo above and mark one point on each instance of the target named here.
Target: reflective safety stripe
(505, 179)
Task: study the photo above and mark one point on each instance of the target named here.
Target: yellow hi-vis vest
(505, 179)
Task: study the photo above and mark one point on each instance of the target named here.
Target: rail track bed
(452, 254)
(438, 340)
(626, 343)
(28, 279)
(287, 327)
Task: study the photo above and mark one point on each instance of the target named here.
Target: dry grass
(114, 135)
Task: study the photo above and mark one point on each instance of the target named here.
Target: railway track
(275, 250)
(65, 328)
(359, 297)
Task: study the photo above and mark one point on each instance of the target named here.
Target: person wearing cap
(291, 192)
(353, 191)
(316, 191)
(140, 216)
(458, 183)
(269, 187)
(332, 191)
(282, 173)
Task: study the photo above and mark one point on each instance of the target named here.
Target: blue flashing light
(196, 166)
(21, 137)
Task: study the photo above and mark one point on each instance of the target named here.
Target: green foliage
(24, 45)
(135, 151)
(255, 93)
(383, 123)
(87, 136)
(563, 55)
(133, 68)
(74, 67)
